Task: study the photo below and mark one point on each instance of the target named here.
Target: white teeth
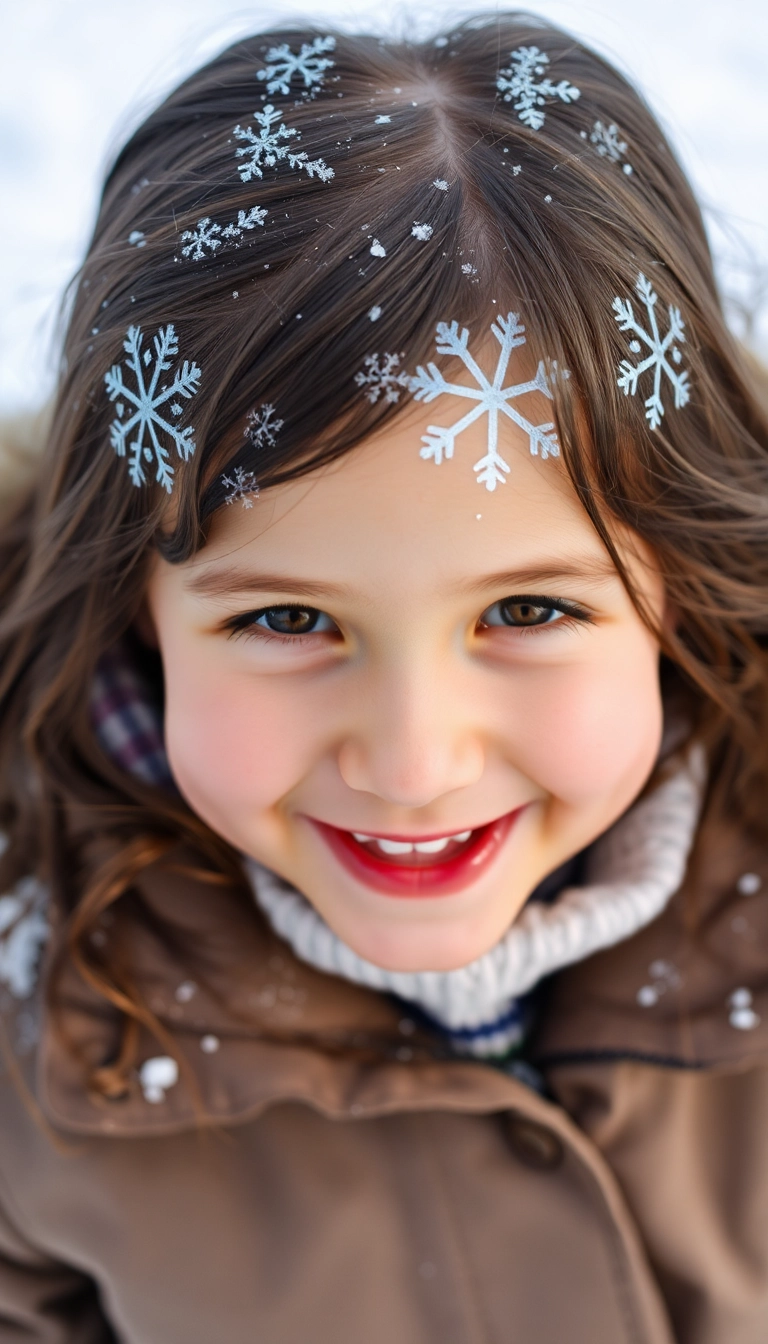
(395, 846)
(407, 846)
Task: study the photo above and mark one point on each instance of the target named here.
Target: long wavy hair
(551, 221)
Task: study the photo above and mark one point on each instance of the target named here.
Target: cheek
(595, 727)
(233, 741)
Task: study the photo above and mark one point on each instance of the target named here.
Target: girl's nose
(415, 743)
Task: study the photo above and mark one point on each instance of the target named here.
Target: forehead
(384, 511)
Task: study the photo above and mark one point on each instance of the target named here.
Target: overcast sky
(77, 75)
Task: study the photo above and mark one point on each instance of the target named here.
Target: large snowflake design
(491, 399)
(661, 351)
(523, 81)
(309, 64)
(142, 416)
(382, 377)
(208, 235)
(264, 148)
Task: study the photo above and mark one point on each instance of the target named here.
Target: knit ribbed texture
(632, 872)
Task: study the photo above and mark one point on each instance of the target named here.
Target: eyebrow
(233, 581)
(230, 582)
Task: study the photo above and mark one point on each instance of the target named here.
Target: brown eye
(523, 612)
(290, 620)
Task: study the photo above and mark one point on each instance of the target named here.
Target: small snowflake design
(382, 377)
(309, 65)
(245, 222)
(204, 235)
(265, 148)
(491, 399)
(242, 487)
(262, 426)
(526, 80)
(608, 144)
(138, 408)
(209, 235)
(661, 351)
(422, 231)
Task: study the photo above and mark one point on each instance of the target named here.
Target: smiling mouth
(428, 866)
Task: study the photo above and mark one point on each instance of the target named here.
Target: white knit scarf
(632, 871)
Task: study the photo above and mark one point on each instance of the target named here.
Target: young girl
(384, 756)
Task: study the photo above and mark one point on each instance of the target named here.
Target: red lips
(399, 878)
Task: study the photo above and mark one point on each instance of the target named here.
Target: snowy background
(77, 75)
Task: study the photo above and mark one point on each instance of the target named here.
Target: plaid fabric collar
(127, 720)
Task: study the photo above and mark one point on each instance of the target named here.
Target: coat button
(534, 1144)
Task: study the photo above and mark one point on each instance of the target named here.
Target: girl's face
(386, 650)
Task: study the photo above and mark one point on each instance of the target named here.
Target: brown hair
(535, 221)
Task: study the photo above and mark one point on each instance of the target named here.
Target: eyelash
(244, 626)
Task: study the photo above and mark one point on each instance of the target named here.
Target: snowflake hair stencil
(490, 398)
(265, 148)
(262, 427)
(608, 144)
(661, 350)
(241, 487)
(310, 65)
(382, 377)
(138, 408)
(208, 235)
(523, 80)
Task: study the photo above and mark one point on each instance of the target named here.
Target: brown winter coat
(359, 1195)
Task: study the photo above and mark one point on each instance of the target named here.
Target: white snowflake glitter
(262, 427)
(629, 374)
(490, 398)
(378, 249)
(382, 378)
(741, 1014)
(242, 487)
(246, 220)
(422, 231)
(468, 269)
(156, 1075)
(264, 148)
(310, 64)
(147, 398)
(24, 926)
(137, 239)
(382, 120)
(375, 312)
(608, 145)
(203, 235)
(520, 81)
(440, 183)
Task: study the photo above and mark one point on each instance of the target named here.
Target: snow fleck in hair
(339, 251)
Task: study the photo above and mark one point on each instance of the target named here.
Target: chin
(416, 950)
